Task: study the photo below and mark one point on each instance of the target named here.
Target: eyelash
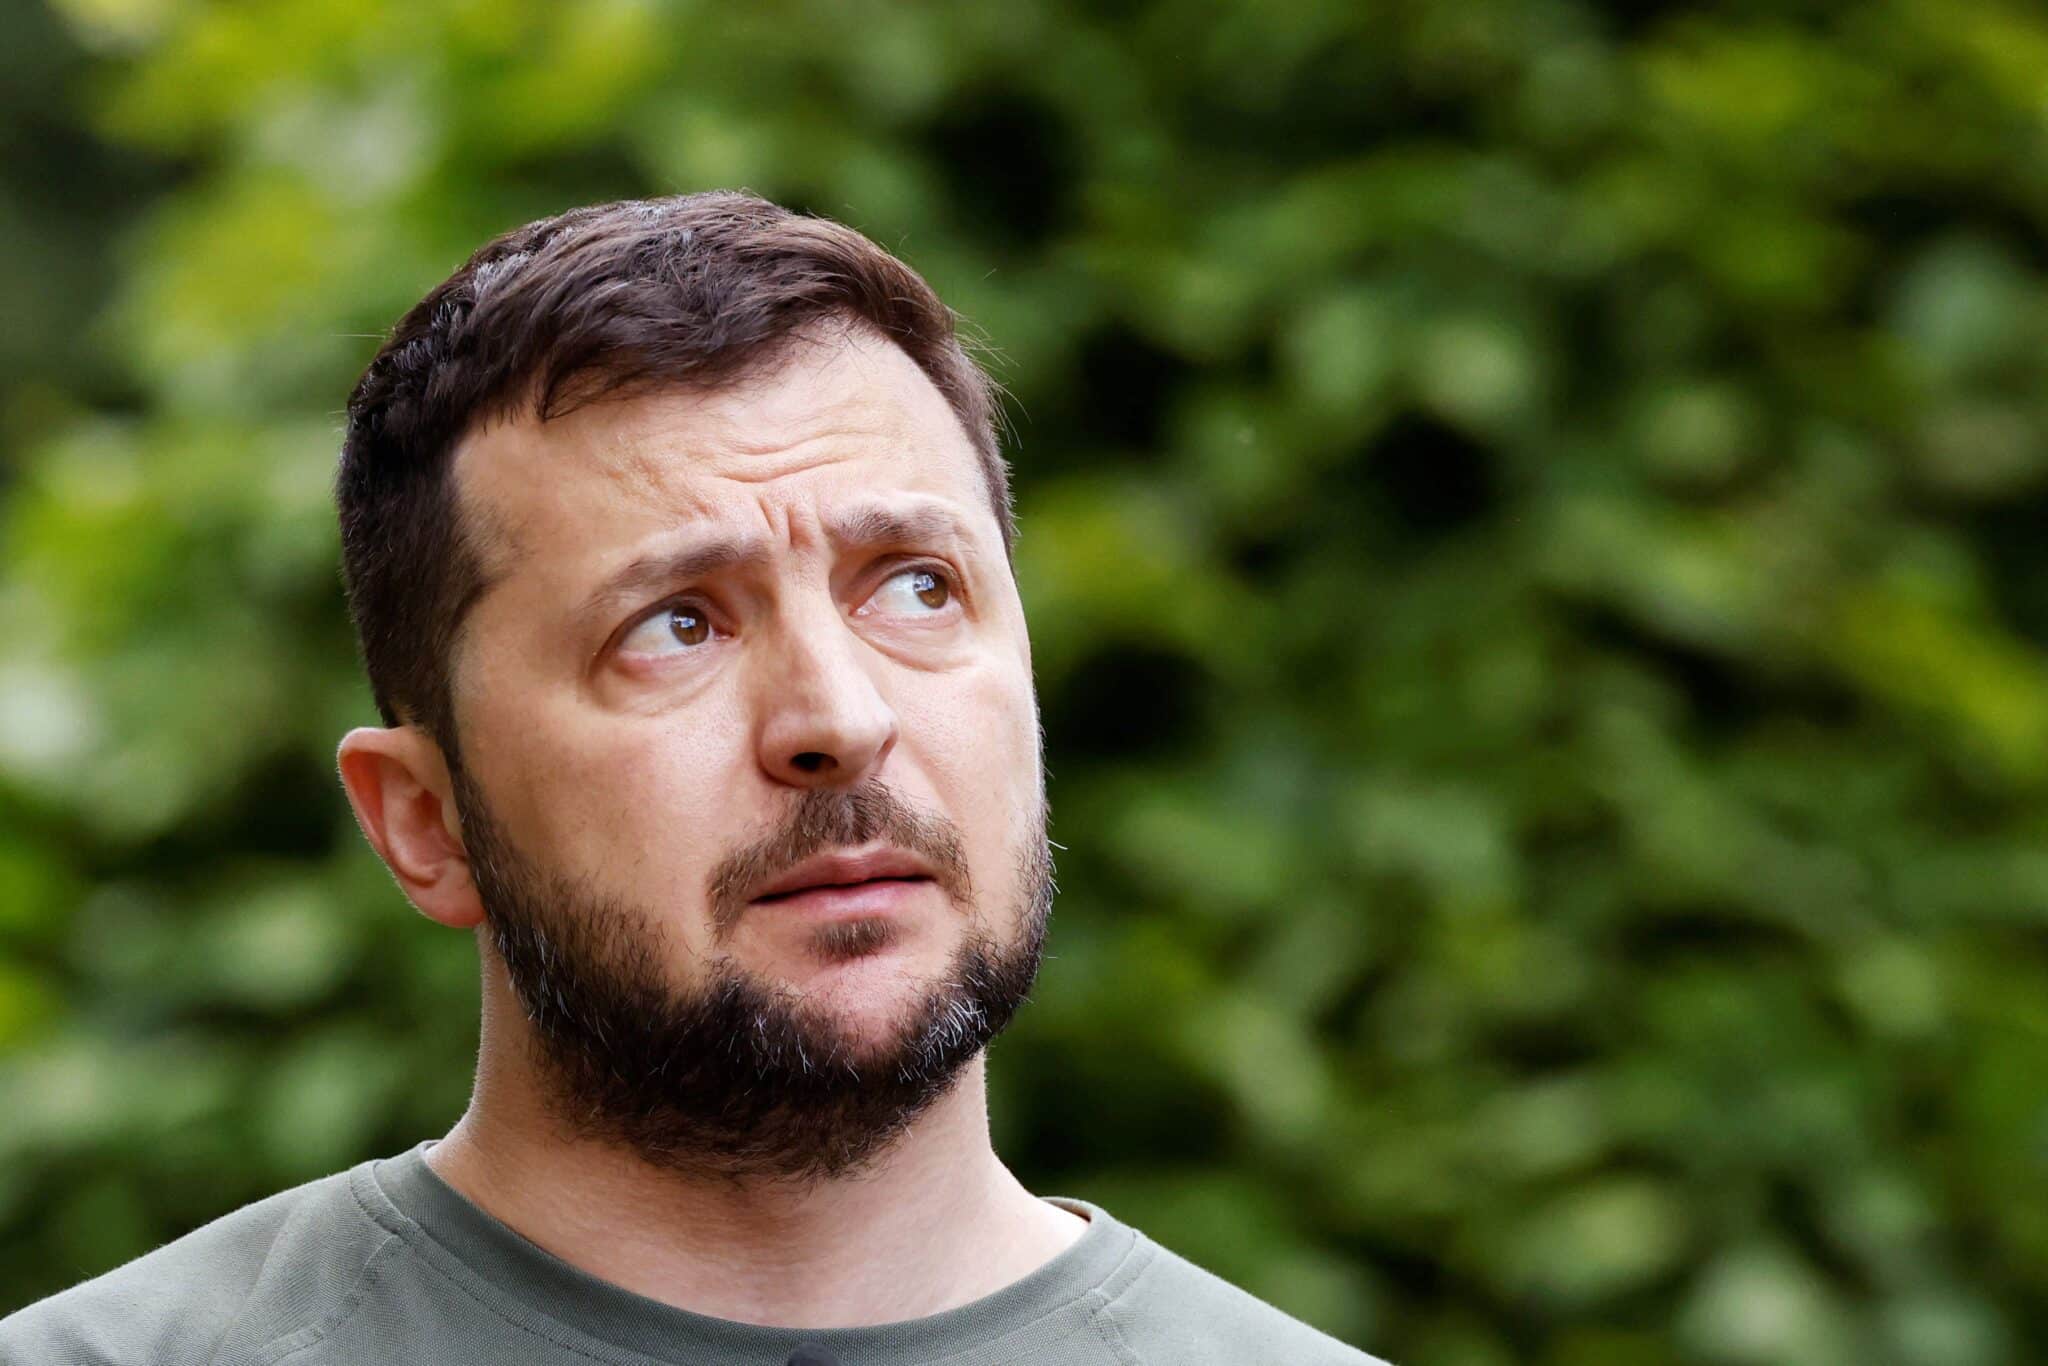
(697, 606)
(944, 575)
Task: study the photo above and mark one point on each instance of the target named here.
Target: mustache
(823, 819)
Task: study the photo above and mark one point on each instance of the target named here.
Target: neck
(936, 1222)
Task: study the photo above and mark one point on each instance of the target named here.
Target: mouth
(838, 874)
(829, 888)
(872, 900)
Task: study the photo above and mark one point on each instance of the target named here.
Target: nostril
(810, 761)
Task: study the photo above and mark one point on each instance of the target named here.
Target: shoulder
(1167, 1309)
(181, 1303)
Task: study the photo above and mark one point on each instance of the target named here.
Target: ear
(398, 783)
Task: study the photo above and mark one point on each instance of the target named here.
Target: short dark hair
(697, 290)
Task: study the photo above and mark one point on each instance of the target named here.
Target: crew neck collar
(523, 1281)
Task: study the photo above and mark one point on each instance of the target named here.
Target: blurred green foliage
(1532, 524)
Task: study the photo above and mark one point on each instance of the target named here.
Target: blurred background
(1533, 521)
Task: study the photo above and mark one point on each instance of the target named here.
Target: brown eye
(687, 627)
(667, 630)
(914, 592)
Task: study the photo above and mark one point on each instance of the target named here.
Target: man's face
(730, 635)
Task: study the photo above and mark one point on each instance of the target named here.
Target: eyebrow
(870, 525)
(874, 524)
(681, 565)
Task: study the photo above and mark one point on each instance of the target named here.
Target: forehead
(834, 419)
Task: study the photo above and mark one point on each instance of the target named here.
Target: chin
(853, 941)
(831, 956)
(870, 993)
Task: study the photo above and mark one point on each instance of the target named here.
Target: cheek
(977, 735)
(641, 807)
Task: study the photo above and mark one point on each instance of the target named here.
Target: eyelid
(956, 583)
(698, 607)
(956, 586)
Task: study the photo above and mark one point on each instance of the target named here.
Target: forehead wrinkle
(754, 458)
(736, 430)
(636, 473)
(768, 416)
(644, 466)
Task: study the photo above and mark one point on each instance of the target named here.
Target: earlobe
(398, 783)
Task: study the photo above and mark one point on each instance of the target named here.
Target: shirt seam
(1141, 1256)
(277, 1349)
(1109, 1331)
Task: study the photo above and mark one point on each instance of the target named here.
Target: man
(677, 538)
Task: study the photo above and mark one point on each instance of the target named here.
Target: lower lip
(860, 898)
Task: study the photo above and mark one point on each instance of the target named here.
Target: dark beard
(734, 1077)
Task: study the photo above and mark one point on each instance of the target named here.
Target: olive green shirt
(388, 1263)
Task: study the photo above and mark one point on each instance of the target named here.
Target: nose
(822, 720)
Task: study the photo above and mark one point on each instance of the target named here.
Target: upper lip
(844, 868)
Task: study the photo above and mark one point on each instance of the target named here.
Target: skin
(616, 750)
